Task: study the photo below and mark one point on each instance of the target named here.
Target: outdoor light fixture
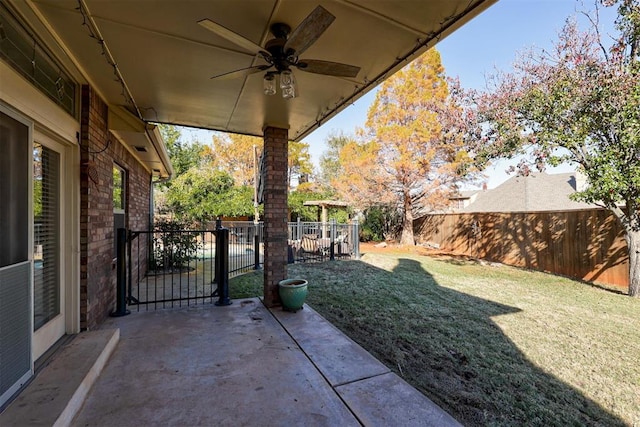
(287, 83)
(269, 83)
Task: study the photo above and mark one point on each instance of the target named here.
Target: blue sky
(490, 41)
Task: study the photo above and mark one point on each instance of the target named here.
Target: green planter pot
(293, 292)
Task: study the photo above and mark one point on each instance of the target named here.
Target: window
(28, 57)
(15, 268)
(119, 192)
(14, 187)
(119, 202)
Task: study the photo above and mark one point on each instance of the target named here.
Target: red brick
(97, 282)
(275, 212)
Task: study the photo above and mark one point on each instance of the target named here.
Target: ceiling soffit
(153, 58)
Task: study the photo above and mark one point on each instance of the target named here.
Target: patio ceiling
(152, 57)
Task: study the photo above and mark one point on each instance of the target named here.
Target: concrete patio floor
(241, 365)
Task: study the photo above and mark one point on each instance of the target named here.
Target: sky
(489, 42)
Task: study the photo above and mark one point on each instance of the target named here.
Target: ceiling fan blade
(242, 72)
(329, 68)
(309, 30)
(231, 36)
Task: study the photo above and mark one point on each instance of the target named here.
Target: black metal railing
(169, 268)
(187, 267)
(246, 246)
(322, 241)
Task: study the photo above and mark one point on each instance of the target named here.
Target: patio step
(56, 394)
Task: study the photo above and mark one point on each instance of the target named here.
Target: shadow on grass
(445, 343)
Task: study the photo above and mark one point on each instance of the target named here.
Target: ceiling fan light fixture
(283, 51)
(269, 84)
(289, 92)
(286, 79)
(287, 84)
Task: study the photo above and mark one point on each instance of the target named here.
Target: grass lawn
(492, 345)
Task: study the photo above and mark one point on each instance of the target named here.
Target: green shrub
(173, 245)
(381, 222)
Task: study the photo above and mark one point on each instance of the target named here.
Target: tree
(234, 154)
(578, 103)
(380, 223)
(329, 163)
(359, 182)
(183, 155)
(300, 166)
(202, 194)
(412, 158)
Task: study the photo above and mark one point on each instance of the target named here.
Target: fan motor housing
(280, 30)
(281, 59)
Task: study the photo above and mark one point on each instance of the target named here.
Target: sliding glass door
(15, 265)
(48, 316)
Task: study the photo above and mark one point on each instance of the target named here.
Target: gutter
(158, 144)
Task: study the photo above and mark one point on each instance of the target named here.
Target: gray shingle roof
(536, 192)
(466, 194)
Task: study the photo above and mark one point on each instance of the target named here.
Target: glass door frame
(55, 128)
(54, 329)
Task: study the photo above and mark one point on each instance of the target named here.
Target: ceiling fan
(283, 51)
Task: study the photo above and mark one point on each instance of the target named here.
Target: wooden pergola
(324, 205)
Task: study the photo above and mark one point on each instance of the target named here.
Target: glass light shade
(288, 84)
(289, 92)
(269, 84)
(286, 79)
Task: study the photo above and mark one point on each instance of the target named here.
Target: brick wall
(275, 212)
(99, 150)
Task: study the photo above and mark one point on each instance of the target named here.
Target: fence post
(332, 240)
(256, 247)
(222, 264)
(121, 274)
(299, 230)
(356, 240)
(130, 270)
(216, 267)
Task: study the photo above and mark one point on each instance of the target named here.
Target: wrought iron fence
(169, 268)
(178, 267)
(322, 241)
(246, 246)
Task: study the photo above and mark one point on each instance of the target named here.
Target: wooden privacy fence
(584, 244)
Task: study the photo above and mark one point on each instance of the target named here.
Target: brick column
(276, 212)
(97, 280)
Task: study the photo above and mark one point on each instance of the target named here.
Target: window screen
(14, 188)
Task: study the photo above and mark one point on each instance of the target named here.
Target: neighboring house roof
(536, 192)
(467, 194)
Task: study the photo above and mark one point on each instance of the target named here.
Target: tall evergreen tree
(412, 155)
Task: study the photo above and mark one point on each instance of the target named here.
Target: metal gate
(174, 268)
